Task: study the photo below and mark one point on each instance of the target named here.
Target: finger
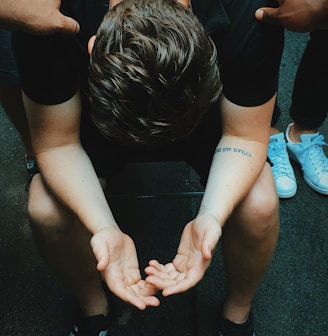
(183, 285)
(147, 289)
(159, 273)
(268, 15)
(206, 251)
(155, 268)
(163, 277)
(134, 300)
(149, 270)
(146, 292)
(68, 25)
(142, 302)
(127, 294)
(152, 301)
(137, 300)
(210, 241)
(157, 264)
(160, 283)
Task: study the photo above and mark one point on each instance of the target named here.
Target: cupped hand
(198, 241)
(117, 261)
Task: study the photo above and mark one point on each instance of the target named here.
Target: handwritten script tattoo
(233, 149)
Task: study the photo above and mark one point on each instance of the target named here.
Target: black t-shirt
(52, 68)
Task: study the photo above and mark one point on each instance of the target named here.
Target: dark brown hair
(153, 72)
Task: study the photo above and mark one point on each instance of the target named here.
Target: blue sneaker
(282, 170)
(310, 155)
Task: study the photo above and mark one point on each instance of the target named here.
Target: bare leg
(296, 130)
(249, 240)
(65, 244)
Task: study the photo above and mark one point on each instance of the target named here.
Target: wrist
(215, 215)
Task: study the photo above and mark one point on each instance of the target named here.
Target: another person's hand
(40, 17)
(297, 15)
(117, 261)
(198, 241)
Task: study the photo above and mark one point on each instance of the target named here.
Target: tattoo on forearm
(233, 149)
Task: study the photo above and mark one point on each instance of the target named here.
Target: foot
(310, 155)
(91, 326)
(228, 328)
(282, 170)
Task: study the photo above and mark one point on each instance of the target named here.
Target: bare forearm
(236, 166)
(239, 158)
(69, 174)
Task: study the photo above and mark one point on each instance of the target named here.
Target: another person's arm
(36, 16)
(297, 15)
(237, 163)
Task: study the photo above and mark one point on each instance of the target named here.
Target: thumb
(267, 15)
(210, 241)
(101, 253)
(68, 25)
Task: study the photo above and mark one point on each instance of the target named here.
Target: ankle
(274, 130)
(93, 308)
(235, 314)
(296, 131)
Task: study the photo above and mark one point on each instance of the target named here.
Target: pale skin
(115, 252)
(296, 131)
(297, 15)
(202, 234)
(36, 16)
(78, 205)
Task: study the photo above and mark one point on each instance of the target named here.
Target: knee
(46, 215)
(263, 211)
(258, 215)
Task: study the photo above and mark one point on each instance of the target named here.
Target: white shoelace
(281, 160)
(316, 154)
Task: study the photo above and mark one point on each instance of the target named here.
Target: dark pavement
(292, 300)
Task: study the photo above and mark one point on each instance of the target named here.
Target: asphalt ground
(291, 301)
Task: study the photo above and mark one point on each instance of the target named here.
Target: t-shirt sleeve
(46, 66)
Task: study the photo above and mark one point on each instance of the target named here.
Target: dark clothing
(249, 52)
(8, 68)
(310, 94)
(52, 69)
